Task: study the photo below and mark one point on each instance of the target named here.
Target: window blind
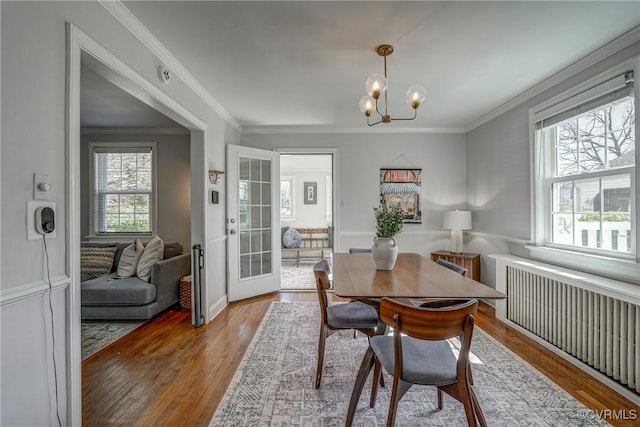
(610, 91)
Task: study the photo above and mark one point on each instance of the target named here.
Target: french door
(253, 222)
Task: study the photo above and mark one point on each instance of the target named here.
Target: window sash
(290, 195)
(129, 180)
(602, 236)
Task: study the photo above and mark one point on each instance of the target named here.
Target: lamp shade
(456, 220)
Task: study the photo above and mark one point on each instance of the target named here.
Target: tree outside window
(591, 185)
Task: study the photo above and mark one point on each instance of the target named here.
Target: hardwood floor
(168, 373)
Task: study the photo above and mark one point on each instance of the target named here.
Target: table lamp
(456, 221)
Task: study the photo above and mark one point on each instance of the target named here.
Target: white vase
(385, 252)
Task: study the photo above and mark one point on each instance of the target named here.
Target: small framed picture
(310, 193)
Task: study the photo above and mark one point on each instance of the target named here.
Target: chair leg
(477, 409)
(399, 389)
(440, 401)
(377, 378)
(467, 401)
(321, 340)
(361, 378)
(461, 391)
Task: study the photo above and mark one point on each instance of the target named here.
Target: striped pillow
(129, 259)
(153, 253)
(96, 262)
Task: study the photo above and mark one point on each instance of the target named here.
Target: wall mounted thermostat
(41, 219)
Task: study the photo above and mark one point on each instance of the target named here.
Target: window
(286, 197)
(585, 170)
(329, 199)
(123, 188)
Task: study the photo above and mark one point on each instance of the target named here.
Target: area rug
(274, 384)
(298, 277)
(97, 334)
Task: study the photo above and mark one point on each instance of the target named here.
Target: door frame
(136, 85)
(334, 183)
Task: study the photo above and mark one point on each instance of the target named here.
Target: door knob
(232, 231)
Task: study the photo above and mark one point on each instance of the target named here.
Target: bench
(312, 240)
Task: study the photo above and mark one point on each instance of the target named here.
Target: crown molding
(135, 27)
(284, 130)
(625, 40)
(134, 131)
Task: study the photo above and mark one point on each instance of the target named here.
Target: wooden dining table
(413, 276)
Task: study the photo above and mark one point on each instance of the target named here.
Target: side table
(468, 260)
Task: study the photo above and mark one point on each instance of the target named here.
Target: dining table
(414, 276)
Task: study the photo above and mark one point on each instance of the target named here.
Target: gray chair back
(455, 267)
(359, 251)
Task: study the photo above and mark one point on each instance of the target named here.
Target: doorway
(306, 216)
(121, 75)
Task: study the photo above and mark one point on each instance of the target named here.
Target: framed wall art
(401, 187)
(310, 193)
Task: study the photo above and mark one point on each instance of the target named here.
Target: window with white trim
(286, 197)
(585, 157)
(123, 182)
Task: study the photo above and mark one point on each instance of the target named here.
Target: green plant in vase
(389, 222)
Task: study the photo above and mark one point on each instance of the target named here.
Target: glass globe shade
(367, 104)
(415, 96)
(375, 85)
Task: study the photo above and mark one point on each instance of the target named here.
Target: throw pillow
(129, 259)
(291, 238)
(152, 253)
(96, 262)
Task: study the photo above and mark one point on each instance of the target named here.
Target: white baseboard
(217, 307)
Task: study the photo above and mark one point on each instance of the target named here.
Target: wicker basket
(185, 292)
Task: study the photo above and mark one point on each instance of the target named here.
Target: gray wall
(360, 157)
(498, 178)
(34, 139)
(173, 183)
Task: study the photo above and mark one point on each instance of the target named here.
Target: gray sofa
(109, 297)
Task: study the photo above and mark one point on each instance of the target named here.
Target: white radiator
(595, 320)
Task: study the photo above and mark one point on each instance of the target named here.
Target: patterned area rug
(294, 277)
(97, 334)
(274, 383)
(298, 277)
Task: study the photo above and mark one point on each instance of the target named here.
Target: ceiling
(303, 64)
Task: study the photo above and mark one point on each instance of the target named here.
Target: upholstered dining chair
(435, 303)
(423, 356)
(352, 315)
(455, 267)
(359, 250)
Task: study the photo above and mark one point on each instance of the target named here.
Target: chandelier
(376, 85)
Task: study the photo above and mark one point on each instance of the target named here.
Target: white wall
(34, 140)
(173, 183)
(499, 172)
(360, 157)
(308, 168)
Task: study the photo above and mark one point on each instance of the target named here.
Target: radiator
(571, 313)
